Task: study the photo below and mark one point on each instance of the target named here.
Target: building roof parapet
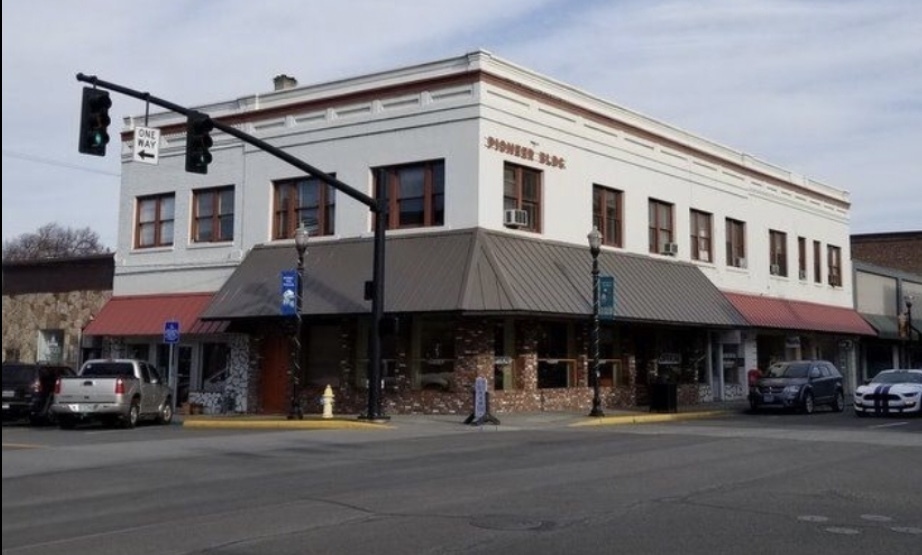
(485, 62)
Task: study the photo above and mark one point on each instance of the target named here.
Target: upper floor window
(154, 226)
(213, 215)
(701, 236)
(607, 214)
(801, 258)
(415, 194)
(522, 191)
(778, 252)
(834, 261)
(307, 200)
(736, 243)
(817, 262)
(660, 226)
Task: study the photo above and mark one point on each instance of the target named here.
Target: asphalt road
(741, 483)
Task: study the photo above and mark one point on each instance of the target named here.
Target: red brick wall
(901, 251)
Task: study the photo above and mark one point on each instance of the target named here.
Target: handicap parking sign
(171, 331)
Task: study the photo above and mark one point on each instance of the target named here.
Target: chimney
(283, 82)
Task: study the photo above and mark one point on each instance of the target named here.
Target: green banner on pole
(606, 297)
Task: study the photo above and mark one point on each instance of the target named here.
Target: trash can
(664, 398)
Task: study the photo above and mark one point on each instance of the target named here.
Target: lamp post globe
(595, 246)
(302, 234)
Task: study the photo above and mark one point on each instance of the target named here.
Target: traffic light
(198, 142)
(94, 122)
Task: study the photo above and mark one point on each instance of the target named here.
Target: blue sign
(607, 297)
(289, 293)
(171, 331)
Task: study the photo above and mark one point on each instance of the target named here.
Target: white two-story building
(712, 262)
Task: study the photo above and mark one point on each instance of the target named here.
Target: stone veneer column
(254, 373)
(237, 385)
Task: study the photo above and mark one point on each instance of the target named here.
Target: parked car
(799, 384)
(115, 391)
(890, 392)
(28, 390)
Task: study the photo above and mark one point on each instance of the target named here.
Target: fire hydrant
(327, 400)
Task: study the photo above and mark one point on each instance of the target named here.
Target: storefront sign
(526, 153)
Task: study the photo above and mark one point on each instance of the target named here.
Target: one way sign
(147, 145)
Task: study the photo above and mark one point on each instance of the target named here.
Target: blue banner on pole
(289, 293)
(606, 297)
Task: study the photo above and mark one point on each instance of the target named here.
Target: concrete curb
(314, 423)
(649, 418)
(244, 423)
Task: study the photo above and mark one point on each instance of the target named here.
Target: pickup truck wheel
(134, 413)
(166, 412)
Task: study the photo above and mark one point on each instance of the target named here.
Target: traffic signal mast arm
(377, 205)
(368, 201)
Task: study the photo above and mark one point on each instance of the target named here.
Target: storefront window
(215, 358)
(436, 362)
(556, 366)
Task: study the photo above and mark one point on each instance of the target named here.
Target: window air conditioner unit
(740, 262)
(774, 269)
(803, 274)
(515, 218)
(671, 249)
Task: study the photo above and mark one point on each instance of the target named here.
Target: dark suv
(28, 390)
(799, 384)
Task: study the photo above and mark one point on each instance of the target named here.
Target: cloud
(830, 89)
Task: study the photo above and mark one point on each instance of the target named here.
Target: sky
(830, 89)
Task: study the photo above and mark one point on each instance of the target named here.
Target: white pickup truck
(115, 391)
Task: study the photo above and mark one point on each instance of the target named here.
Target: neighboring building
(881, 296)
(493, 176)
(47, 303)
(901, 250)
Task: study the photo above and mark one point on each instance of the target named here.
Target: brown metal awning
(473, 271)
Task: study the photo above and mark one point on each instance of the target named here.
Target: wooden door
(274, 393)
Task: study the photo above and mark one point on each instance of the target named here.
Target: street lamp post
(908, 300)
(294, 411)
(595, 246)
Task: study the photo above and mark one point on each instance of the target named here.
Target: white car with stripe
(897, 391)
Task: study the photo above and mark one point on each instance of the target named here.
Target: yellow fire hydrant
(327, 400)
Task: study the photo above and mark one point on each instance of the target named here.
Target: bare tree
(53, 241)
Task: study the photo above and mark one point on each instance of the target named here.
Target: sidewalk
(511, 421)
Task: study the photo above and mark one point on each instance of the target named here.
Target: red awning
(769, 312)
(147, 314)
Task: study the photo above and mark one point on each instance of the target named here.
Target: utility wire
(50, 162)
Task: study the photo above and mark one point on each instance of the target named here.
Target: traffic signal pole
(377, 205)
